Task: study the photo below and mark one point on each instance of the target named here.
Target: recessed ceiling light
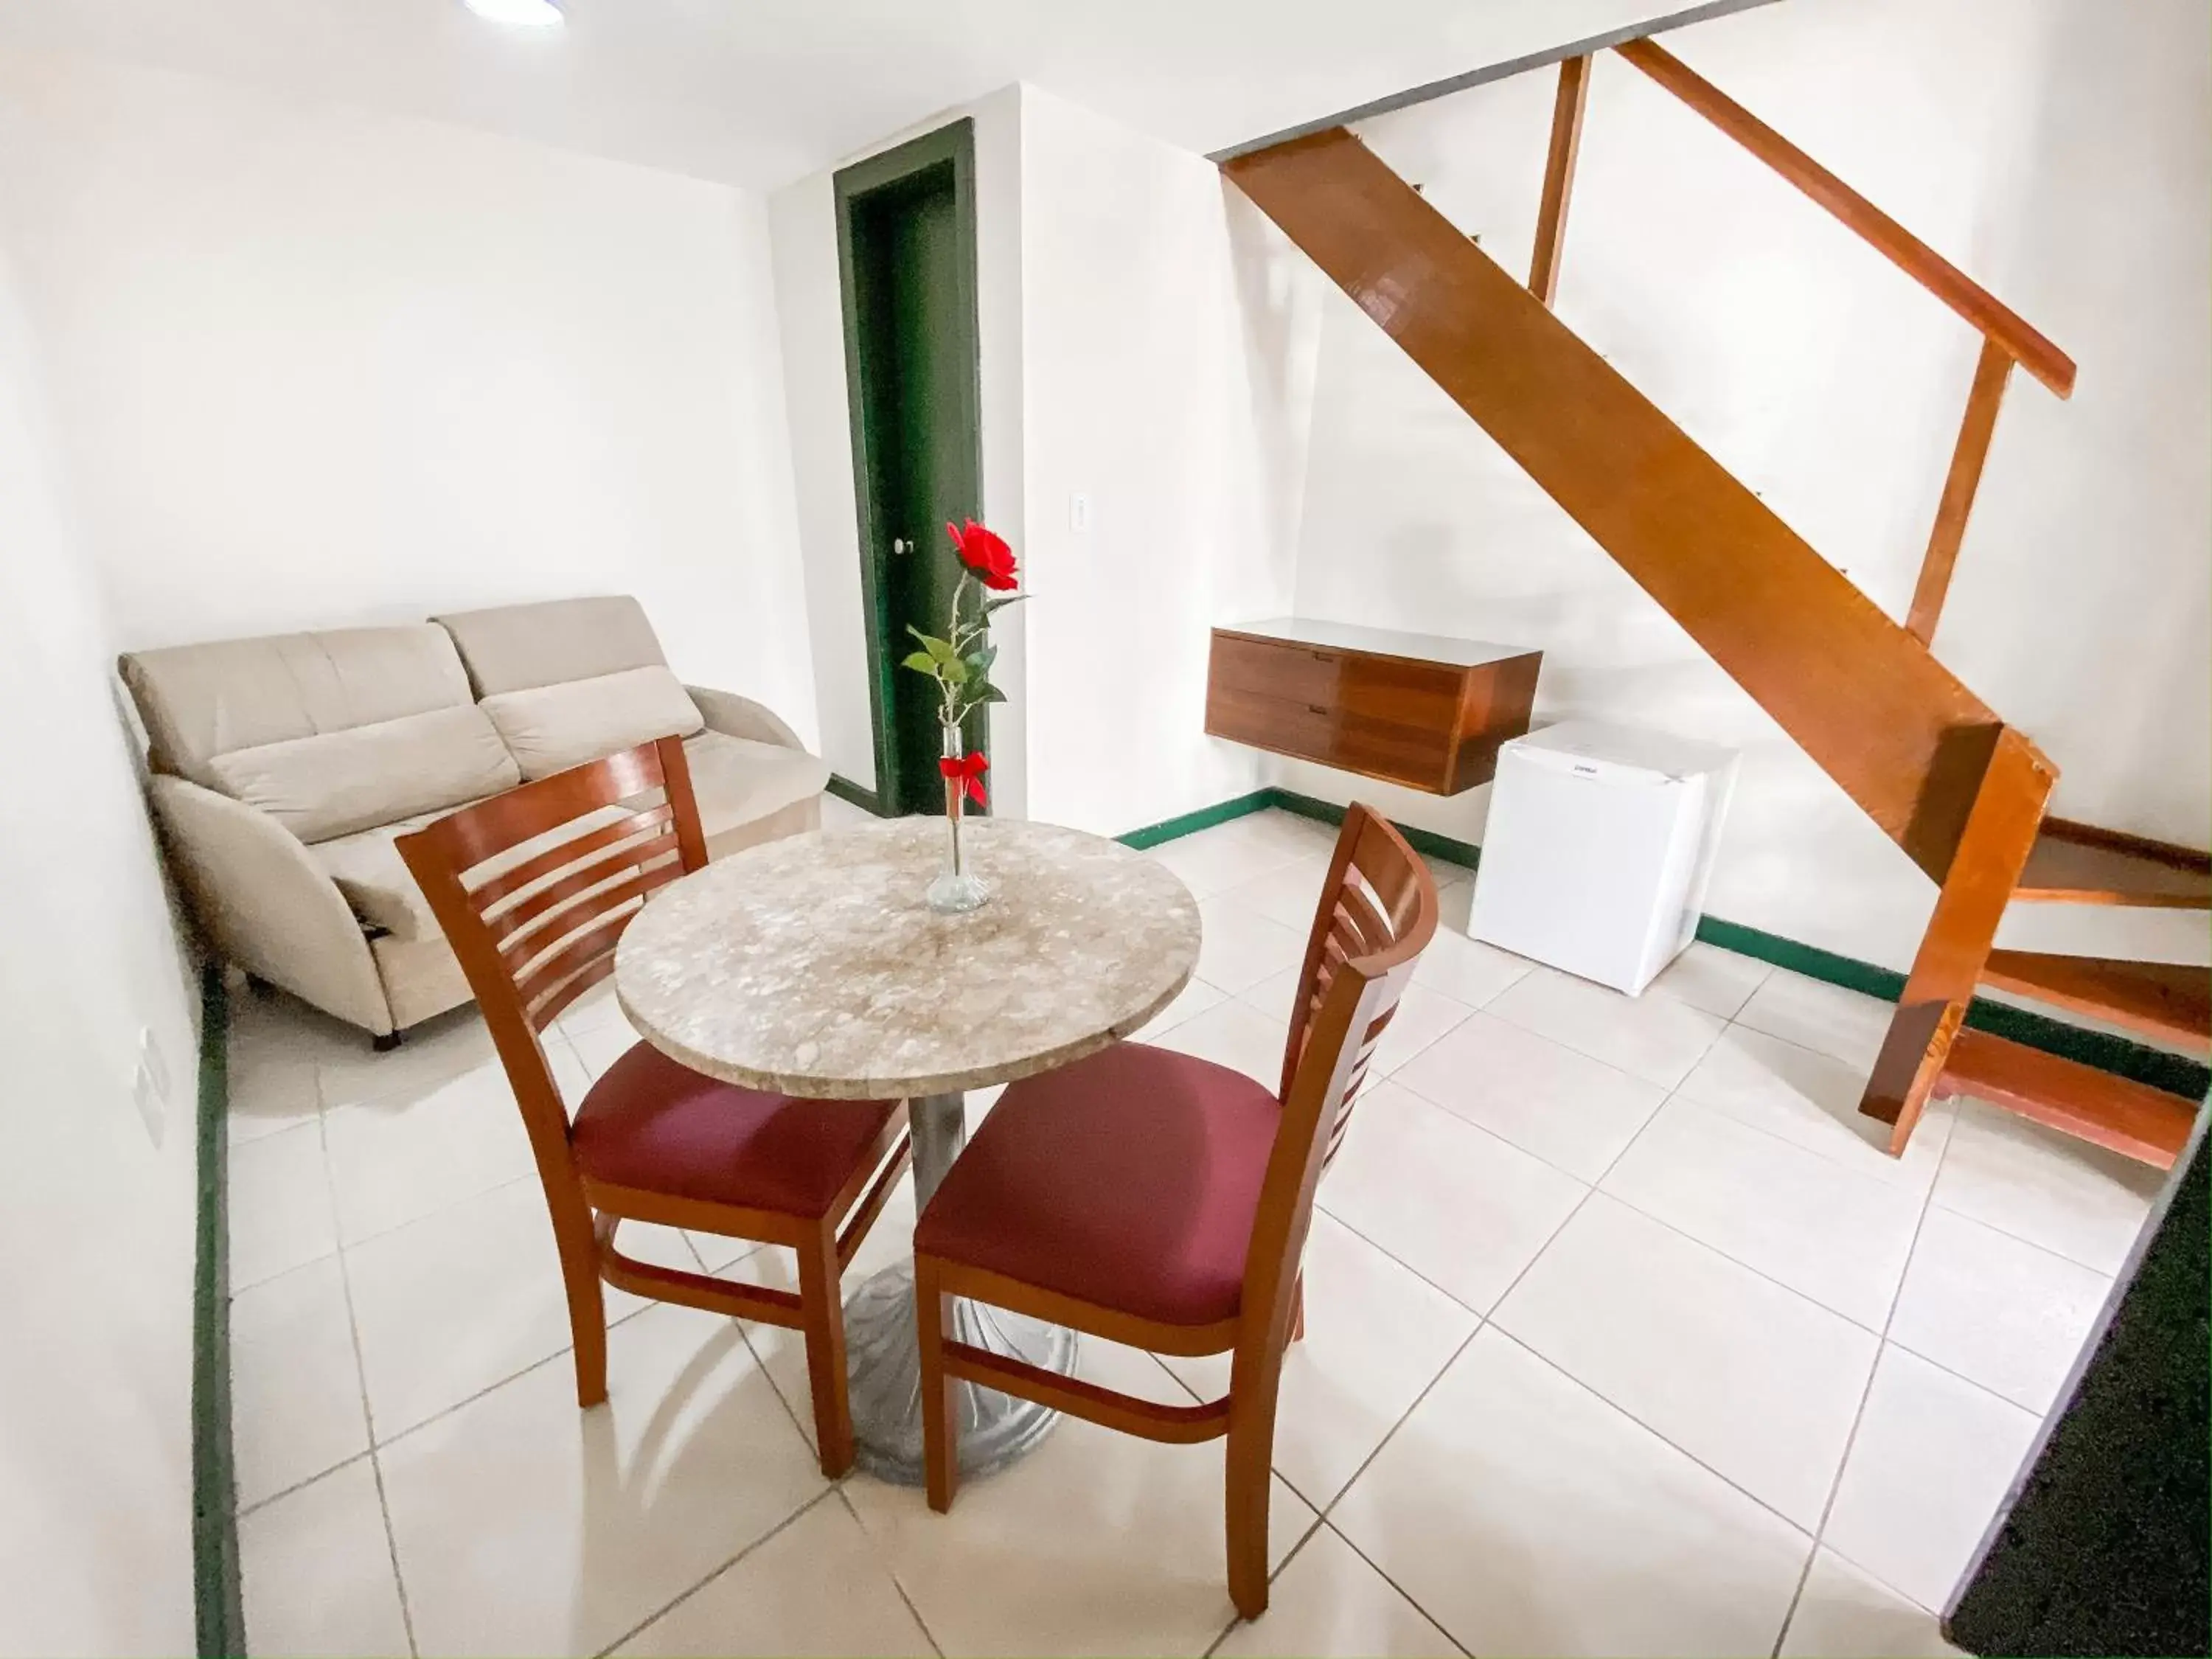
(520, 14)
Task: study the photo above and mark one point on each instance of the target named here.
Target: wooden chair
(533, 888)
(1162, 1200)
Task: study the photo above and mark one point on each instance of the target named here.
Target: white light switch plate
(1078, 514)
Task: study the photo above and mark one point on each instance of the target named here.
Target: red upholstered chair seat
(649, 1122)
(1129, 1180)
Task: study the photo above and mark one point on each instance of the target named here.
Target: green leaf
(921, 662)
(952, 669)
(917, 633)
(981, 661)
(992, 694)
(990, 605)
(944, 651)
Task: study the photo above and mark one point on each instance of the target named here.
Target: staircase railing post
(1984, 869)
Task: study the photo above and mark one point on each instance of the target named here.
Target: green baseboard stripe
(2176, 1074)
(2123, 1057)
(1205, 819)
(846, 790)
(1421, 841)
(1807, 959)
(219, 1621)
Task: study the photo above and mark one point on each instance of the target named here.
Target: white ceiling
(760, 92)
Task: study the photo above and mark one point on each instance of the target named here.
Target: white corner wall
(96, 1203)
(1169, 334)
(317, 367)
(803, 223)
(1148, 342)
(2061, 152)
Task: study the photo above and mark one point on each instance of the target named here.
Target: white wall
(2061, 152)
(96, 1206)
(809, 307)
(317, 365)
(1169, 340)
(1148, 342)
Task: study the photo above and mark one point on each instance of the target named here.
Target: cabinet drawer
(1341, 737)
(1382, 687)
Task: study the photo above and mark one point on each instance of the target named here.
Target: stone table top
(813, 966)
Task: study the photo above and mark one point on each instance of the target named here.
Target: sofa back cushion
(518, 647)
(340, 782)
(202, 701)
(551, 728)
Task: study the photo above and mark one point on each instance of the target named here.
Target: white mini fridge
(1597, 848)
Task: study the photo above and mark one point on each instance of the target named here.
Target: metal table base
(883, 1356)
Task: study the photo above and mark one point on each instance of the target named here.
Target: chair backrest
(533, 889)
(1377, 914)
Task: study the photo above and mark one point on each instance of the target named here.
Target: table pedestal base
(883, 1348)
(885, 1364)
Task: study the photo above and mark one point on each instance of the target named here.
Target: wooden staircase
(1963, 794)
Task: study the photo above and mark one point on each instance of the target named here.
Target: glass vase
(957, 889)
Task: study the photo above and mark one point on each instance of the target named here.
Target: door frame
(952, 147)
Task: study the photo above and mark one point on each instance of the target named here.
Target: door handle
(900, 544)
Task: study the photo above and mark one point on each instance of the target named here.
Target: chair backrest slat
(535, 924)
(1377, 914)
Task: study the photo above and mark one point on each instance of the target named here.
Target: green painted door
(911, 314)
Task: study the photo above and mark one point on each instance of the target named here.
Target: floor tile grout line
(1389, 1434)
(890, 1571)
(2106, 1273)
(1858, 1416)
(367, 1413)
(302, 1485)
(1351, 1545)
(1455, 1300)
(669, 1607)
(1598, 1394)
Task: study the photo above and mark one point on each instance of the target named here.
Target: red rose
(986, 553)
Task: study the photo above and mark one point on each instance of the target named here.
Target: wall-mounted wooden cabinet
(1411, 708)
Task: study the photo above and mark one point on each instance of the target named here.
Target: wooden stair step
(2132, 1118)
(2080, 864)
(2160, 998)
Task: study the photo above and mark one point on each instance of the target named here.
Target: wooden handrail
(1996, 321)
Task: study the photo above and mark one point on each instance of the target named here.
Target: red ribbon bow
(967, 771)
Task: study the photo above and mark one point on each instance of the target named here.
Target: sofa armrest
(266, 903)
(734, 716)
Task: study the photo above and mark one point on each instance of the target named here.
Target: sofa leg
(385, 1043)
(260, 987)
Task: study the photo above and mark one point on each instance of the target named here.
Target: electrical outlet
(149, 1085)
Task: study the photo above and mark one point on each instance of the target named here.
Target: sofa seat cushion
(335, 783)
(651, 1124)
(374, 879)
(737, 781)
(551, 728)
(1128, 1180)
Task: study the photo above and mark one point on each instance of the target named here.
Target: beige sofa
(285, 766)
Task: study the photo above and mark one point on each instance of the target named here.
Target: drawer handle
(1315, 709)
(1322, 656)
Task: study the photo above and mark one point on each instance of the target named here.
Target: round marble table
(811, 966)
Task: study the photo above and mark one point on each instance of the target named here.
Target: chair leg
(940, 1450)
(1298, 1309)
(579, 1246)
(821, 1308)
(1251, 1452)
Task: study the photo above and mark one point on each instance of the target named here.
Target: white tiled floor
(1623, 1337)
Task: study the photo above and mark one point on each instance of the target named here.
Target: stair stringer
(1895, 729)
